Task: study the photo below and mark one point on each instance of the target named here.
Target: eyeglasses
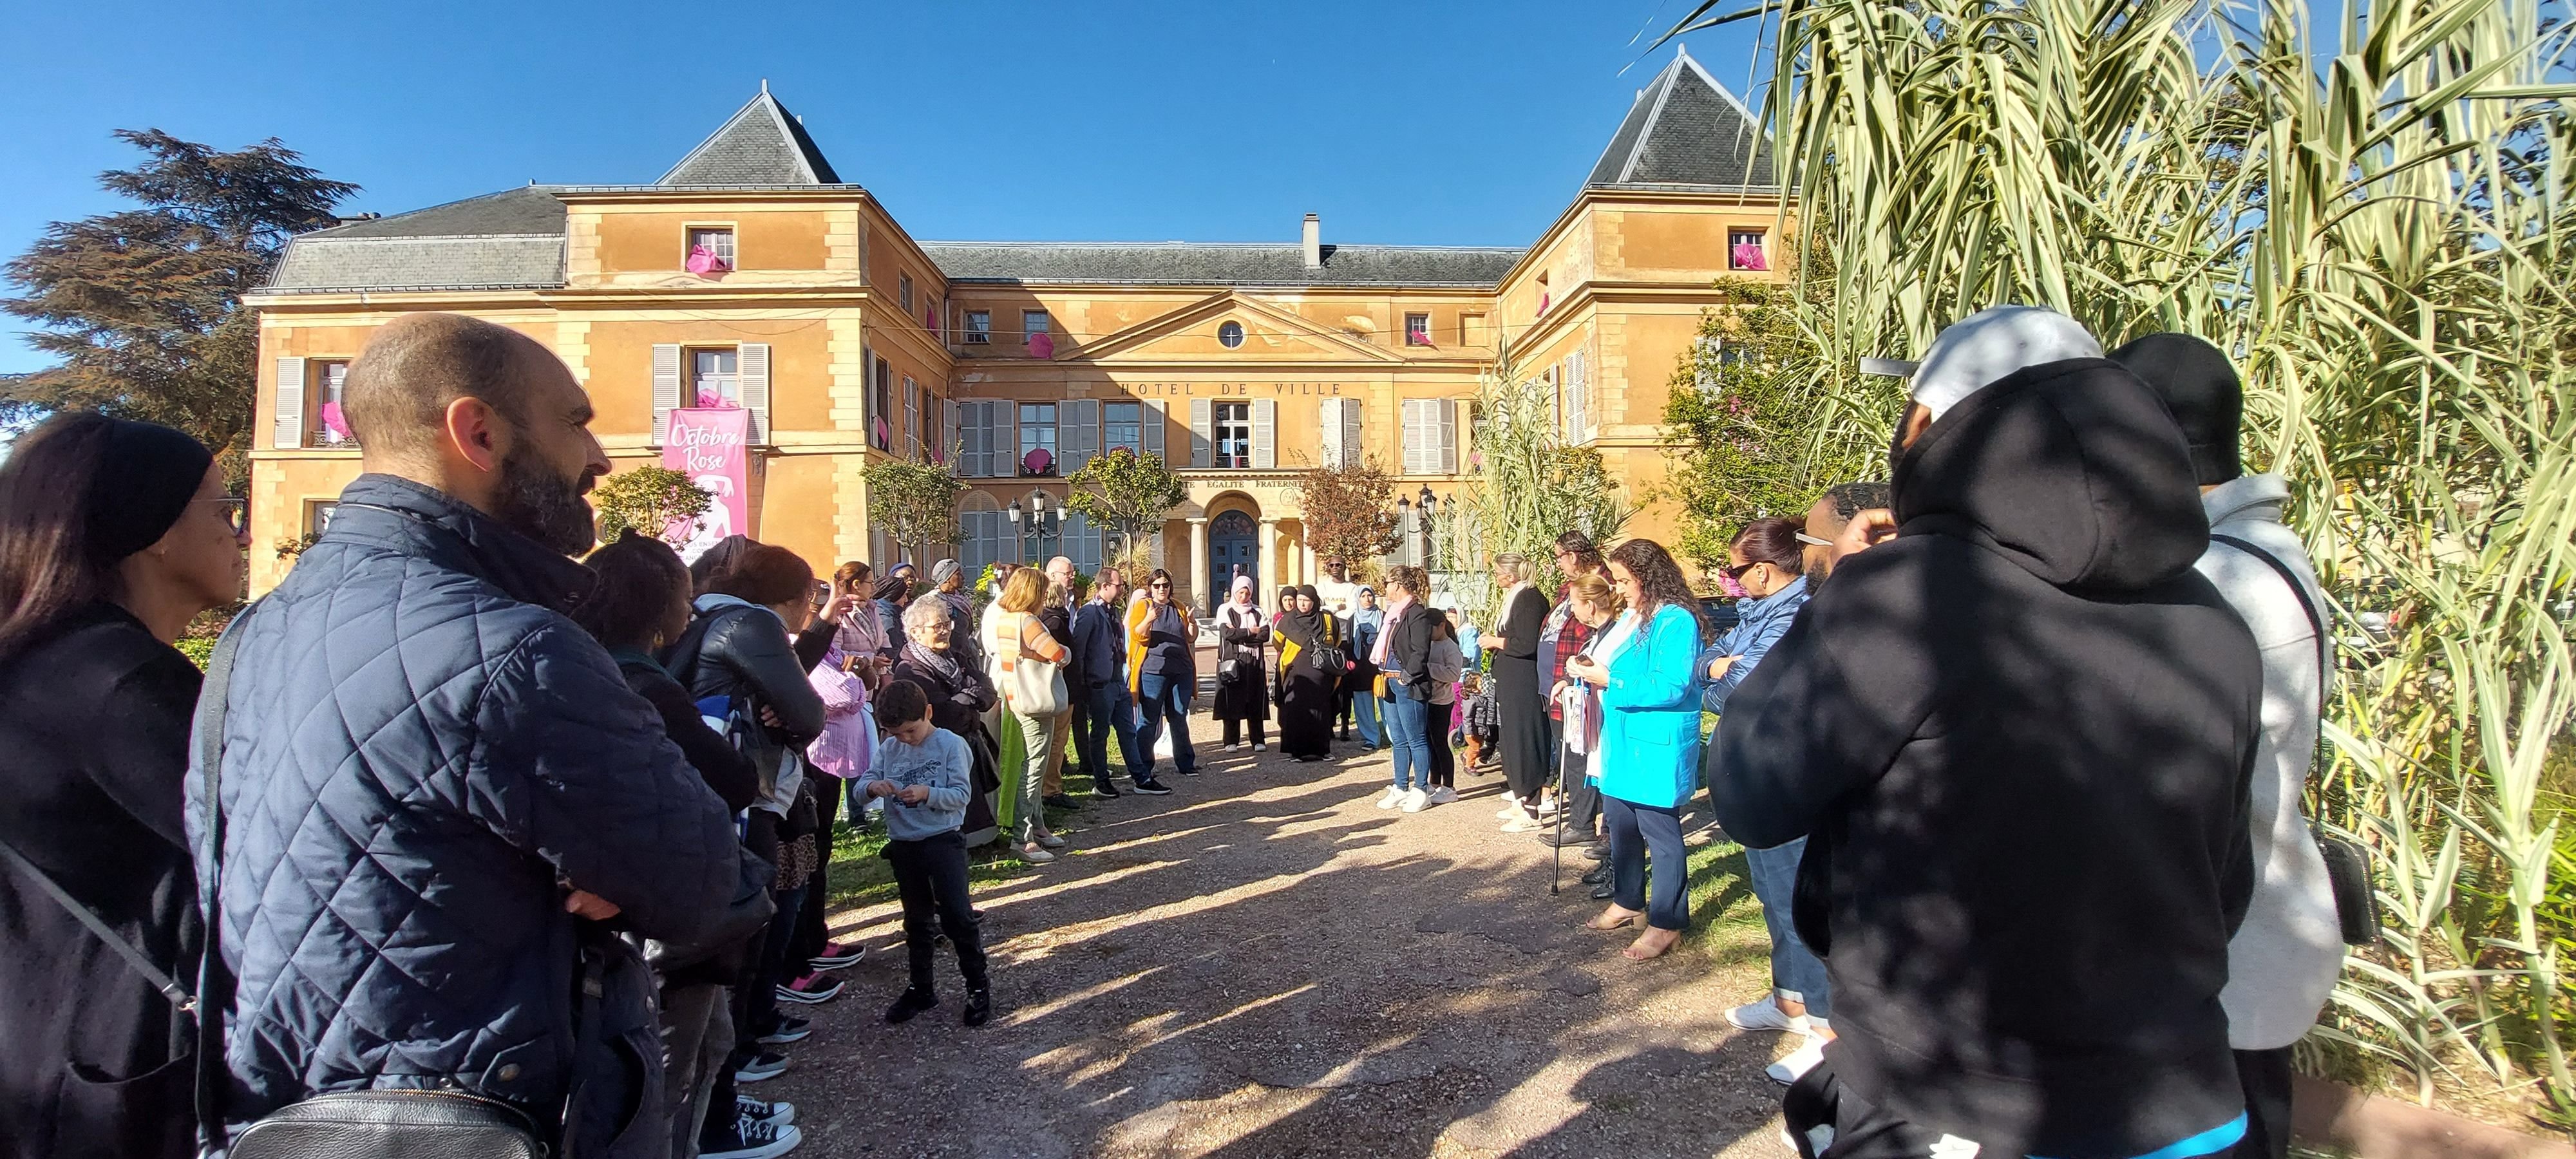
(235, 513)
(1812, 541)
(1162, 585)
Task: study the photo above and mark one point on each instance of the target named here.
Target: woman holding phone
(1648, 761)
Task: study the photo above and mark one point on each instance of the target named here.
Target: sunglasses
(235, 513)
(1162, 586)
(1736, 571)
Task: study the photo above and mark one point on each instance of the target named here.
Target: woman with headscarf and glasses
(1313, 657)
(1243, 637)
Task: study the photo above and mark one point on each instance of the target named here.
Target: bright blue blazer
(1650, 723)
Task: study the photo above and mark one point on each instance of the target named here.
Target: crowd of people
(458, 831)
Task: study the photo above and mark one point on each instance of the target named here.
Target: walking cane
(1556, 880)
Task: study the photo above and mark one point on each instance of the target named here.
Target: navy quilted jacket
(419, 749)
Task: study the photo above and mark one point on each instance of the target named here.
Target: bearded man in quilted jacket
(439, 801)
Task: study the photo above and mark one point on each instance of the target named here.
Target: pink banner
(712, 448)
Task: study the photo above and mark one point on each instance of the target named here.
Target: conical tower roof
(1686, 129)
(763, 144)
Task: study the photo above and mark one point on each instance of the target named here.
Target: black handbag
(393, 1124)
(2348, 873)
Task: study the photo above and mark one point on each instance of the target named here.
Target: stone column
(1268, 592)
(1307, 550)
(1199, 563)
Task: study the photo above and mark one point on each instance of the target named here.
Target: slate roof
(1175, 263)
(508, 240)
(1686, 130)
(763, 144)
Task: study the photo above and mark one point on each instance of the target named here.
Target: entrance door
(1234, 548)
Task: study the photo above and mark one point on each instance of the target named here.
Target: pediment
(1192, 334)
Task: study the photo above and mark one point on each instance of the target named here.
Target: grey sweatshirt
(941, 762)
(2282, 963)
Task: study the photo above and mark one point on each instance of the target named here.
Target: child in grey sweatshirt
(922, 771)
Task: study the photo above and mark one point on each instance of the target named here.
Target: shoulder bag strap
(161, 980)
(214, 982)
(2298, 591)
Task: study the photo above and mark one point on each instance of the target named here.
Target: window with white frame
(715, 377)
(710, 246)
(1037, 439)
(1122, 425)
(1232, 435)
(903, 293)
(1032, 324)
(330, 426)
(1744, 250)
(1417, 329)
(979, 327)
(1430, 436)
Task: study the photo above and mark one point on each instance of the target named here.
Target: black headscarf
(1304, 629)
(2200, 387)
(149, 475)
(897, 588)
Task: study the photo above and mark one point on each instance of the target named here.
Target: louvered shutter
(1265, 429)
(948, 430)
(755, 388)
(975, 438)
(290, 403)
(1328, 431)
(911, 418)
(1414, 437)
(666, 388)
(1354, 447)
(1006, 439)
(1080, 435)
(1445, 412)
(1202, 432)
(1153, 418)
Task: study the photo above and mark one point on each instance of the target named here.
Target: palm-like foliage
(2372, 217)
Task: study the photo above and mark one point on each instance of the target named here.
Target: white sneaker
(1260, 747)
(1507, 812)
(1415, 800)
(1036, 856)
(1798, 1062)
(1394, 797)
(1443, 795)
(1765, 1015)
(1547, 808)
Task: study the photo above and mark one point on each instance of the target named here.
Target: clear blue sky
(1466, 123)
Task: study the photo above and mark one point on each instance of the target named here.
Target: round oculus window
(1230, 335)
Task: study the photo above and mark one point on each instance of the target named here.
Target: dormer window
(710, 250)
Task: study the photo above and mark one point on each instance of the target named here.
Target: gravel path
(1265, 964)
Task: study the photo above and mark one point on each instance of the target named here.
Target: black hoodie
(2020, 735)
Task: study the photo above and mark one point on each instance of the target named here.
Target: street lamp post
(1429, 505)
(1035, 523)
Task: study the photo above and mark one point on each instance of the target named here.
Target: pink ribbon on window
(1748, 256)
(1041, 345)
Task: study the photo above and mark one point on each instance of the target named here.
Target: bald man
(434, 787)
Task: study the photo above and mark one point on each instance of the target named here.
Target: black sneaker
(1189, 772)
(1153, 788)
(911, 1002)
(766, 1065)
(775, 1112)
(1060, 801)
(1566, 840)
(790, 1029)
(748, 1139)
(1597, 876)
(1103, 789)
(979, 1005)
(1598, 851)
(1604, 891)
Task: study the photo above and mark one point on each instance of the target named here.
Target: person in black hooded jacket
(2019, 738)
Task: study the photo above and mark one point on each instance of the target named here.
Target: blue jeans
(1102, 709)
(1364, 709)
(1644, 837)
(1796, 972)
(1405, 720)
(1166, 699)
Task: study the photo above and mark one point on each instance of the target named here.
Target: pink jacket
(849, 730)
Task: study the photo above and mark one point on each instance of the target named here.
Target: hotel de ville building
(755, 274)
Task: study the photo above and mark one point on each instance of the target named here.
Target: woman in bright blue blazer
(1648, 762)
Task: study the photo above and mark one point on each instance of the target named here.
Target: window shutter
(1152, 419)
(1006, 439)
(1080, 436)
(1202, 432)
(1265, 429)
(911, 419)
(290, 403)
(948, 432)
(1418, 434)
(1354, 449)
(1444, 411)
(975, 436)
(1328, 431)
(666, 388)
(755, 388)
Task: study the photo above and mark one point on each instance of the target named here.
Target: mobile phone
(1581, 658)
(822, 592)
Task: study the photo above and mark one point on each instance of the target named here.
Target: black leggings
(1435, 731)
(930, 874)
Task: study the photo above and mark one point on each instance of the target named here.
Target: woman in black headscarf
(113, 535)
(1313, 656)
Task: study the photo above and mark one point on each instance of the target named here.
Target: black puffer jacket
(2020, 736)
(737, 649)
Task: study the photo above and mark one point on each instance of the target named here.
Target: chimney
(1314, 242)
